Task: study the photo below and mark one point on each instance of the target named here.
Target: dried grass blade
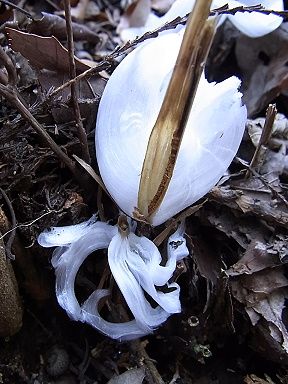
(167, 133)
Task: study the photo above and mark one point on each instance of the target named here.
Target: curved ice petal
(56, 236)
(68, 263)
(121, 331)
(135, 264)
(131, 275)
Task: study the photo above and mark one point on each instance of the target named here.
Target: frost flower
(136, 265)
(212, 130)
(127, 113)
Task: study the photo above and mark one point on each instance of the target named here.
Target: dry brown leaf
(259, 284)
(208, 264)
(263, 295)
(279, 132)
(253, 379)
(49, 56)
(11, 307)
(253, 203)
(55, 25)
(263, 64)
(135, 15)
(42, 52)
(257, 257)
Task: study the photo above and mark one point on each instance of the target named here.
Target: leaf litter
(233, 325)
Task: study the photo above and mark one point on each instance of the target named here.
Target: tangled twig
(122, 49)
(79, 125)
(9, 91)
(11, 238)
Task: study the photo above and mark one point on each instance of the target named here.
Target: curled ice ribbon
(136, 265)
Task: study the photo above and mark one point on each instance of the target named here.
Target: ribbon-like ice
(136, 265)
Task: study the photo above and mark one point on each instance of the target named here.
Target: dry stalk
(80, 129)
(120, 50)
(265, 136)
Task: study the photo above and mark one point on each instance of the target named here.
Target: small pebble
(57, 361)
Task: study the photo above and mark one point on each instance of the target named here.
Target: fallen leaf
(51, 58)
(6, 13)
(208, 265)
(253, 203)
(263, 295)
(262, 62)
(258, 256)
(279, 131)
(55, 25)
(42, 52)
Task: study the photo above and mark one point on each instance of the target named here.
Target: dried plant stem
(265, 136)
(80, 129)
(11, 95)
(120, 50)
(264, 182)
(9, 66)
(166, 136)
(104, 64)
(139, 348)
(12, 5)
(11, 238)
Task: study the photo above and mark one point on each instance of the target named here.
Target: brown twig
(80, 129)
(25, 225)
(254, 8)
(12, 5)
(9, 66)
(139, 348)
(172, 225)
(264, 181)
(264, 138)
(8, 246)
(120, 50)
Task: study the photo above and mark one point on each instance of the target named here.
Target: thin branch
(30, 223)
(9, 66)
(264, 181)
(11, 238)
(12, 5)
(79, 125)
(139, 348)
(265, 136)
(120, 50)
(254, 8)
